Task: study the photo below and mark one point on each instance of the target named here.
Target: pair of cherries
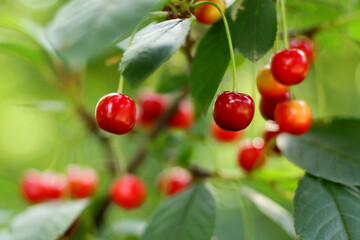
(44, 186)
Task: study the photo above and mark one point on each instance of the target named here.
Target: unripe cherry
(268, 86)
(207, 13)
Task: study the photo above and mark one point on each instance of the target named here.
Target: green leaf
(170, 83)
(189, 215)
(255, 28)
(325, 210)
(124, 228)
(330, 149)
(209, 65)
(84, 27)
(151, 47)
(45, 221)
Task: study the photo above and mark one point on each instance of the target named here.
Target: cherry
(233, 111)
(267, 84)
(289, 66)
(222, 135)
(294, 117)
(82, 181)
(128, 191)
(152, 105)
(268, 105)
(306, 45)
(116, 113)
(175, 180)
(31, 187)
(272, 129)
(209, 14)
(54, 185)
(251, 154)
(183, 117)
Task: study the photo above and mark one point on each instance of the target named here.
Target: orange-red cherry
(173, 181)
(306, 45)
(294, 117)
(184, 116)
(233, 111)
(128, 192)
(268, 105)
(289, 66)
(209, 14)
(251, 154)
(267, 84)
(222, 135)
(116, 113)
(82, 182)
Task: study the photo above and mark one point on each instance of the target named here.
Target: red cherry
(175, 180)
(209, 14)
(54, 185)
(306, 45)
(128, 192)
(116, 113)
(222, 135)
(267, 84)
(82, 181)
(31, 187)
(268, 105)
(294, 117)
(251, 155)
(183, 117)
(233, 111)
(289, 66)
(272, 129)
(153, 105)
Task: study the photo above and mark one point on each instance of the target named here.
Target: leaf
(151, 47)
(84, 27)
(45, 221)
(125, 228)
(325, 210)
(255, 28)
(210, 63)
(189, 215)
(329, 150)
(170, 83)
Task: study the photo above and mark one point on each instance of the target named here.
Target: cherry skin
(209, 14)
(116, 113)
(294, 117)
(82, 181)
(173, 181)
(31, 187)
(251, 155)
(268, 105)
(289, 66)
(54, 185)
(233, 111)
(184, 117)
(128, 192)
(222, 135)
(306, 45)
(267, 84)
(153, 105)
(272, 129)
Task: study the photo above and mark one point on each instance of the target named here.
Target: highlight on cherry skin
(222, 135)
(294, 117)
(233, 111)
(289, 66)
(128, 192)
(116, 113)
(207, 13)
(268, 86)
(174, 180)
(251, 154)
(83, 181)
(306, 45)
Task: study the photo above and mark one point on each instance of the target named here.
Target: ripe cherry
(31, 187)
(233, 111)
(209, 14)
(82, 181)
(268, 105)
(183, 117)
(294, 117)
(251, 154)
(222, 135)
(54, 185)
(152, 105)
(289, 66)
(174, 180)
(116, 113)
(267, 84)
(272, 129)
(306, 45)
(128, 192)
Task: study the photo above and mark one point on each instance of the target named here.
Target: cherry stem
(283, 18)
(228, 34)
